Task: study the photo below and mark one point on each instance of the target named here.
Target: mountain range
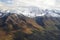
(18, 26)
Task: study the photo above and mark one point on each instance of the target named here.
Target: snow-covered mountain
(35, 11)
(32, 11)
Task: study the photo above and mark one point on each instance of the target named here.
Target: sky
(14, 4)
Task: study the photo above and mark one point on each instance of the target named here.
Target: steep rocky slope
(50, 23)
(20, 27)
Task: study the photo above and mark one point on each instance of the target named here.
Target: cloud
(57, 3)
(38, 3)
(15, 4)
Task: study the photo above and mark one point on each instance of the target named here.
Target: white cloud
(39, 3)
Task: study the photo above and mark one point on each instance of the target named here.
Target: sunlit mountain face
(29, 20)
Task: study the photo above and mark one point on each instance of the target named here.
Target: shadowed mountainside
(20, 27)
(50, 23)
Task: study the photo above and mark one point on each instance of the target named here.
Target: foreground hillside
(20, 27)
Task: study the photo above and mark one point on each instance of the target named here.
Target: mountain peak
(32, 11)
(15, 26)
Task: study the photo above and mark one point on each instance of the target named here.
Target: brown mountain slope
(20, 27)
(49, 23)
(18, 23)
(22, 23)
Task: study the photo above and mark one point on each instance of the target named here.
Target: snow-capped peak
(32, 11)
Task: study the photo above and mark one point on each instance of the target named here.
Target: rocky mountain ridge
(19, 27)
